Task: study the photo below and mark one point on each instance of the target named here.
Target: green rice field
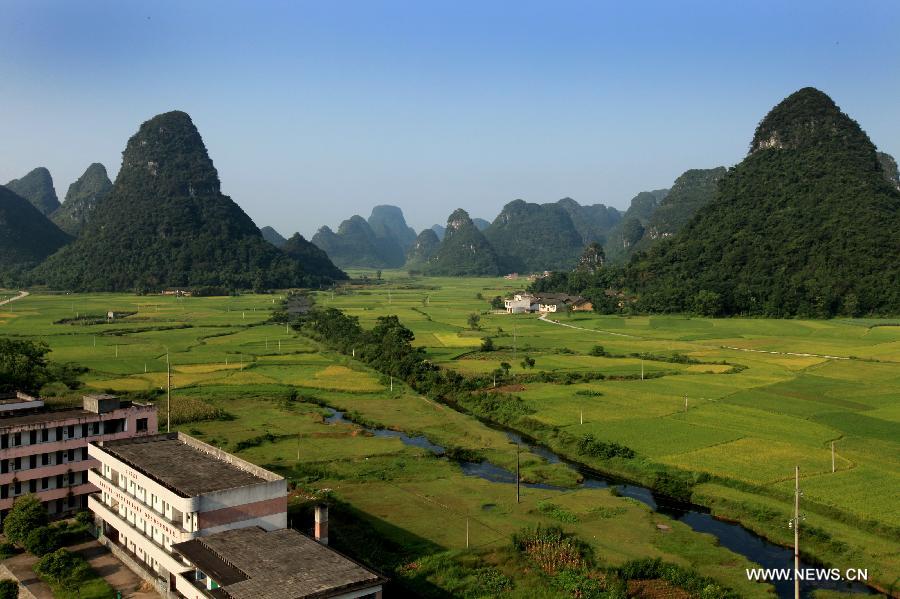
(761, 396)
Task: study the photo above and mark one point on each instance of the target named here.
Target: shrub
(62, 568)
(551, 549)
(598, 351)
(487, 344)
(556, 512)
(9, 589)
(41, 541)
(590, 446)
(85, 518)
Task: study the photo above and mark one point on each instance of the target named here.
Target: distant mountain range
(807, 224)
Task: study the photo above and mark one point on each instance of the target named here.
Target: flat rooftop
(185, 465)
(43, 415)
(250, 563)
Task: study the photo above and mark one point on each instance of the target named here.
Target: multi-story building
(43, 451)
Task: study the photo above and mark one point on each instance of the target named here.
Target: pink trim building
(44, 451)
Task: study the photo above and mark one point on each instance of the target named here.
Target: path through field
(572, 326)
(18, 297)
(786, 353)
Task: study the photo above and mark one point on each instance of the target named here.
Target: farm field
(762, 396)
(258, 389)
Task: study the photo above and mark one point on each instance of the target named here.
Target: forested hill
(388, 222)
(82, 199)
(273, 236)
(167, 223)
(622, 238)
(534, 237)
(464, 250)
(26, 236)
(37, 188)
(807, 224)
(356, 244)
(422, 250)
(592, 222)
(691, 191)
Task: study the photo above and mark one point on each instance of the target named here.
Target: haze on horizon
(315, 111)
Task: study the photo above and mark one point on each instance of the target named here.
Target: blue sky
(314, 111)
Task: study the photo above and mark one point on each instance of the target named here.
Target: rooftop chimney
(321, 533)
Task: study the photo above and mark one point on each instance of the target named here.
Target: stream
(730, 535)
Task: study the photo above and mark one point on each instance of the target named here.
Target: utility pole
(517, 473)
(392, 384)
(467, 533)
(168, 395)
(685, 402)
(642, 368)
(582, 416)
(796, 526)
(832, 457)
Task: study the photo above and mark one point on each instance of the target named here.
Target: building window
(59, 435)
(32, 437)
(32, 461)
(45, 483)
(17, 488)
(17, 439)
(45, 459)
(71, 431)
(4, 466)
(142, 425)
(4, 441)
(45, 435)
(95, 428)
(17, 464)
(71, 455)
(32, 485)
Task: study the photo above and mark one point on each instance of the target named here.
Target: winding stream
(730, 535)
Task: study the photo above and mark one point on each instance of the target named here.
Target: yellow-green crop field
(783, 394)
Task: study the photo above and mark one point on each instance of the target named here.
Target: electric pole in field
(795, 524)
(168, 394)
(832, 457)
(514, 342)
(517, 473)
(642, 368)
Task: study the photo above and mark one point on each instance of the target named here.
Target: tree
(497, 303)
(527, 362)
(27, 514)
(9, 589)
(598, 351)
(707, 303)
(378, 274)
(505, 366)
(473, 320)
(592, 259)
(23, 364)
(487, 344)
